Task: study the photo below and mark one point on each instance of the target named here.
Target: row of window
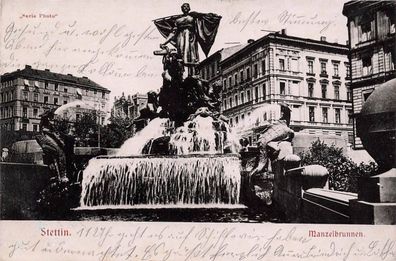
(325, 115)
(240, 98)
(243, 75)
(323, 68)
(9, 111)
(7, 96)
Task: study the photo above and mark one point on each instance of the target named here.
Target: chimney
(85, 77)
(283, 31)
(28, 66)
(70, 74)
(250, 41)
(347, 42)
(47, 70)
(323, 38)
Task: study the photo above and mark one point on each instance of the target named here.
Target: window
(337, 115)
(349, 94)
(103, 95)
(95, 92)
(25, 96)
(35, 127)
(310, 67)
(231, 122)
(236, 100)
(311, 114)
(236, 120)
(24, 112)
(225, 104)
(324, 91)
(366, 28)
(294, 65)
(45, 85)
(55, 100)
(325, 115)
(264, 91)
(263, 67)
(336, 92)
(367, 94)
(255, 70)
(241, 73)
(335, 69)
(35, 97)
(282, 88)
(348, 72)
(224, 84)
(323, 69)
(248, 73)
(350, 117)
(64, 101)
(56, 86)
(229, 81)
(281, 64)
(242, 98)
(367, 68)
(24, 126)
(256, 90)
(236, 78)
(248, 95)
(35, 112)
(45, 99)
(230, 102)
(77, 116)
(65, 89)
(310, 89)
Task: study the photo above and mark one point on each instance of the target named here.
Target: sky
(112, 42)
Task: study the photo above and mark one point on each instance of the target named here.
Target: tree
(343, 172)
(116, 133)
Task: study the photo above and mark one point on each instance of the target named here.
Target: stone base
(379, 188)
(363, 212)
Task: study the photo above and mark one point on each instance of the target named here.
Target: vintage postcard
(197, 130)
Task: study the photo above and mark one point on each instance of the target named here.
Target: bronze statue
(186, 31)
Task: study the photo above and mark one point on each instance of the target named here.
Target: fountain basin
(151, 180)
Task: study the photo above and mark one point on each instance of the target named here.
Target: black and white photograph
(197, 130)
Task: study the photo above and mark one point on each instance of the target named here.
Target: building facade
(310, 76)
(25, 94)
(372, 38)
(210, 70)
(130, 106)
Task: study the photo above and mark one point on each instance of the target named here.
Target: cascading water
(190, 179)
(194, 172)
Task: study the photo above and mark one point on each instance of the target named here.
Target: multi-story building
(310, 76)
(372, 54)
(121, 105)
(210, 67)
(27, 93)
(129, 107)
(139, 102)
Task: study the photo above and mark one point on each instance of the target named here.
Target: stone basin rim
(195, 155)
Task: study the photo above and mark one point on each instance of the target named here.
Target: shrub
(343, 172)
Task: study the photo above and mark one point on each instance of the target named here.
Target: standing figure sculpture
(186, 31)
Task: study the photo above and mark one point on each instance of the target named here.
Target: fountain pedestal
(376, 126)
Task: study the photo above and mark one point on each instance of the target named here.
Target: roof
(224, 53)
(291, 40)
(46, 74)
(353, 8)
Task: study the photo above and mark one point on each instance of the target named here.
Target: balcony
(324, 74)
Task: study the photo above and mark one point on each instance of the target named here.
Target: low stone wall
(302, 193)
(20, 185)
